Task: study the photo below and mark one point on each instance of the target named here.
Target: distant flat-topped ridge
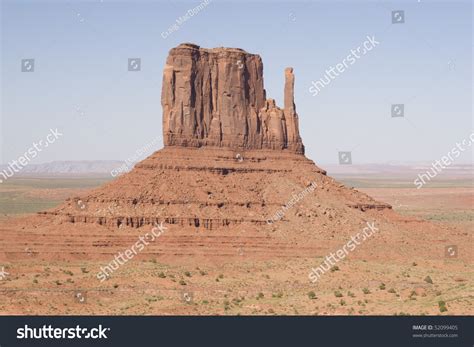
(216, 97)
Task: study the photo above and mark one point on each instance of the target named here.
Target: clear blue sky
(82, 87)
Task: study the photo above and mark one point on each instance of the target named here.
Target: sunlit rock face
(216, 97)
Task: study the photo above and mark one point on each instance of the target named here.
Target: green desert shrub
(442, 306)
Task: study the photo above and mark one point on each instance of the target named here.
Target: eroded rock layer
(215, 188)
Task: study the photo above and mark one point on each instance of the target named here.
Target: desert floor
(386, 275)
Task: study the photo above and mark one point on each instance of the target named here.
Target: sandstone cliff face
(216, 97)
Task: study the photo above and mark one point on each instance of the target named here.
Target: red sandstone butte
(216, 97)
(231, 156)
